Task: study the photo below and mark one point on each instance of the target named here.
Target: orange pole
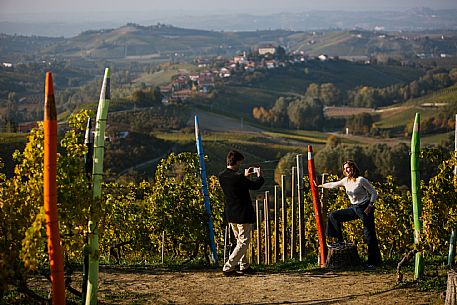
(50, 194)
(317, 207)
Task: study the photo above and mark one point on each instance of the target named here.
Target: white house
(267, 50)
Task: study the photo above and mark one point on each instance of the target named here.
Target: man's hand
(259, 172)
(248, 171)
(369, 209)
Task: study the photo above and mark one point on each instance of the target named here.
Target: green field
(404, 115)
(163, 77)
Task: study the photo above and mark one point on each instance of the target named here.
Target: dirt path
(118, 286)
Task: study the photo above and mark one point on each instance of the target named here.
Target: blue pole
(205, 189)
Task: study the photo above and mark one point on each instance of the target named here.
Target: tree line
(307, 111)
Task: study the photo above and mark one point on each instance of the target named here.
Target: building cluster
(185, 86)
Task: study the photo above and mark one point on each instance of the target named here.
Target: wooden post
(300, 183)
(163, 246)
(258, 220)
(251, 246)
(283, 217)
(324, 203)
(292, 216)
(226, 234)
(267, 228)
(276, 224)
(451, 291)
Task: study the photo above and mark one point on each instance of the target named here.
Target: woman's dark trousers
(334, 228)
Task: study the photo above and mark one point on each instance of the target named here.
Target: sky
(67, 18)
(63, 7)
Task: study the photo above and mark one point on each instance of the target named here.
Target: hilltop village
(186, 85)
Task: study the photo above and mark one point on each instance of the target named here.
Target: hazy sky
(8, 7)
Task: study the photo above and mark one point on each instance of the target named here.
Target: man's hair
(234, 156)
(353, 165)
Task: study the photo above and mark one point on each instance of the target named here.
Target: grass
(10, 137)
(437, 138)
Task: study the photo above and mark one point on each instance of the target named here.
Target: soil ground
(313, 287)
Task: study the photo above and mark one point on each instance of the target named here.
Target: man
(238, 209)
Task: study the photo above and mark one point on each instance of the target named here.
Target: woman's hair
(353, 165)
(234, 156)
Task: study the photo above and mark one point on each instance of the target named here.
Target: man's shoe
(248, 270)
(337, 244)
(231, 273)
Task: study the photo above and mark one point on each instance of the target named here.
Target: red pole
(50, 194)
(317, 206)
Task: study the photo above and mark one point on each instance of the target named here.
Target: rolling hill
(135, 42)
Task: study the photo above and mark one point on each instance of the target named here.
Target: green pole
(451, 255)
(97, 176)
(415, 190)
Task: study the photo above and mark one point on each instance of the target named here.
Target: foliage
(170, 117)
(360, 123)
(432, 80)
(138, 213)
(439, 208)
(23, 236)
(177, 204)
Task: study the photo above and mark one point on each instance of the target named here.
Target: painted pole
(50, 194)
(283, 217)
(201, 157)
(301, 229)
(452, 240)
(415, 190)
(450, 258)
(88, 157)
(88, 162)
(317, 206)
(97, 177)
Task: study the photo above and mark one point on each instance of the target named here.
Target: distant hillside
(134, 42)
(355, 44)
(344, 74)
(162, 41)
(240, 97)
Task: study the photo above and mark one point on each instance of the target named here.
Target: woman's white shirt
(358, 191)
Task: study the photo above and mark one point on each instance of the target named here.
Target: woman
(362, 196)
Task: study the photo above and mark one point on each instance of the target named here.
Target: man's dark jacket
(237, 200)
